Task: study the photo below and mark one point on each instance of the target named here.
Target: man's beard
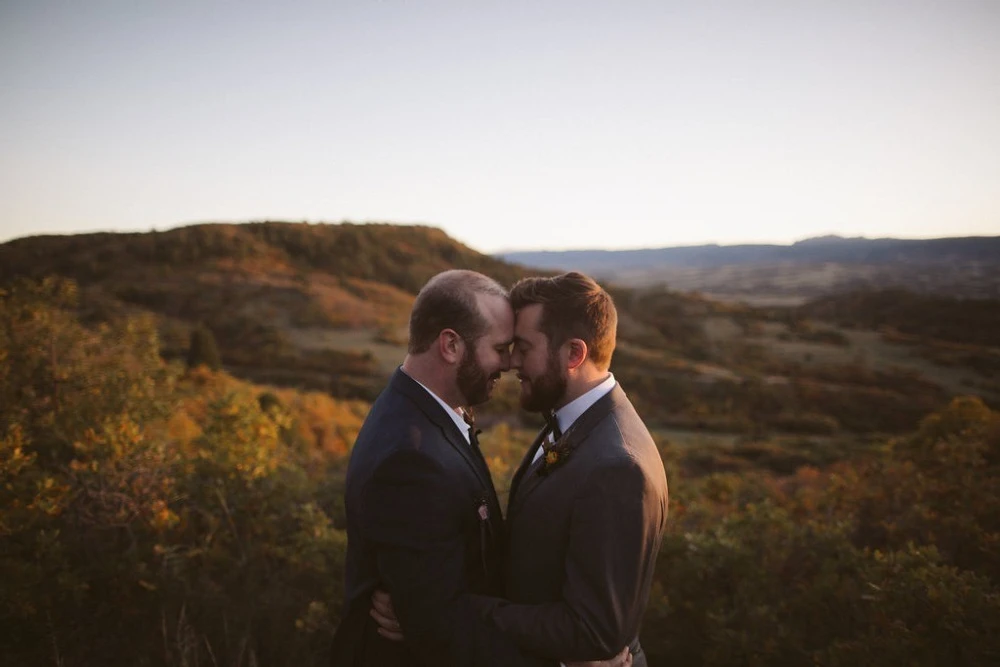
(547, 389)
(473, 381)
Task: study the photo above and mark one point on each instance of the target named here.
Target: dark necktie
(553, 425)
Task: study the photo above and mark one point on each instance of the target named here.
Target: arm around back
(413, 515)
(615, 532)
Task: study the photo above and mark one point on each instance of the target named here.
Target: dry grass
(342, 307)
(868, 349)
(719, 328)
(387, 355)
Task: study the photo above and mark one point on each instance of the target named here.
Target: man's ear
(451, 346)
(576, 353)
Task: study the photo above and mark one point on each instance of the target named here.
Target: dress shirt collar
(456, 416)
(570, 412)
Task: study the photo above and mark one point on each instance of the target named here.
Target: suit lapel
(525, 464)
(436, 414)
(571, 439)
(492, 524)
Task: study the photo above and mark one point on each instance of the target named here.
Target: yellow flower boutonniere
(555, 455)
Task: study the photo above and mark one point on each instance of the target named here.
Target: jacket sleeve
(615, 532)
(412, 513)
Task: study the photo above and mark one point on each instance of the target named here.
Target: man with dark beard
(588, 504)
(423, 520)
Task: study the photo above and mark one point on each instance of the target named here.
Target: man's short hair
(573, 306)
(448, 301)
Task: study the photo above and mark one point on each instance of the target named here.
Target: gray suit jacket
(583, 538)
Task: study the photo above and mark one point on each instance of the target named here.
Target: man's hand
(385, 617)
(623, 659)
(388, 627)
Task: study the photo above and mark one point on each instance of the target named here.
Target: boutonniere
(554, 455)
(485, 532)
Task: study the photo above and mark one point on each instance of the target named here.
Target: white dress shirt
(569, 413)
(463, 428)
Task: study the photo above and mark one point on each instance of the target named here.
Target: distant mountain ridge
(959, 266)
(819, 249)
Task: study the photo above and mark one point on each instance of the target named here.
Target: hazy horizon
(502, 251)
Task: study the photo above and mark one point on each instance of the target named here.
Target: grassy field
(866, 349)
(387, 355)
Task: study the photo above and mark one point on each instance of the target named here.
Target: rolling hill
(325, 307)
(294, 304)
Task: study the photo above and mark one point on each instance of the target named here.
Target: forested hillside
(835, 483)
(324, 307)
(318, 306)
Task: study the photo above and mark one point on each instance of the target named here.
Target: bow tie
(553, 425)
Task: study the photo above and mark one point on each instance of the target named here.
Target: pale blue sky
(527, 125)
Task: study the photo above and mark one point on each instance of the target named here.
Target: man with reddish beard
(588, 504)
(423, 520)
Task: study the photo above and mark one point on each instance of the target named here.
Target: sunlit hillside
(324, 307)
(318, 306)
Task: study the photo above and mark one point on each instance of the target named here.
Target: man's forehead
(499, 317)
(494, 304)
(529, 317)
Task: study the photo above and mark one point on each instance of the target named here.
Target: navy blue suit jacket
(424, 523)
